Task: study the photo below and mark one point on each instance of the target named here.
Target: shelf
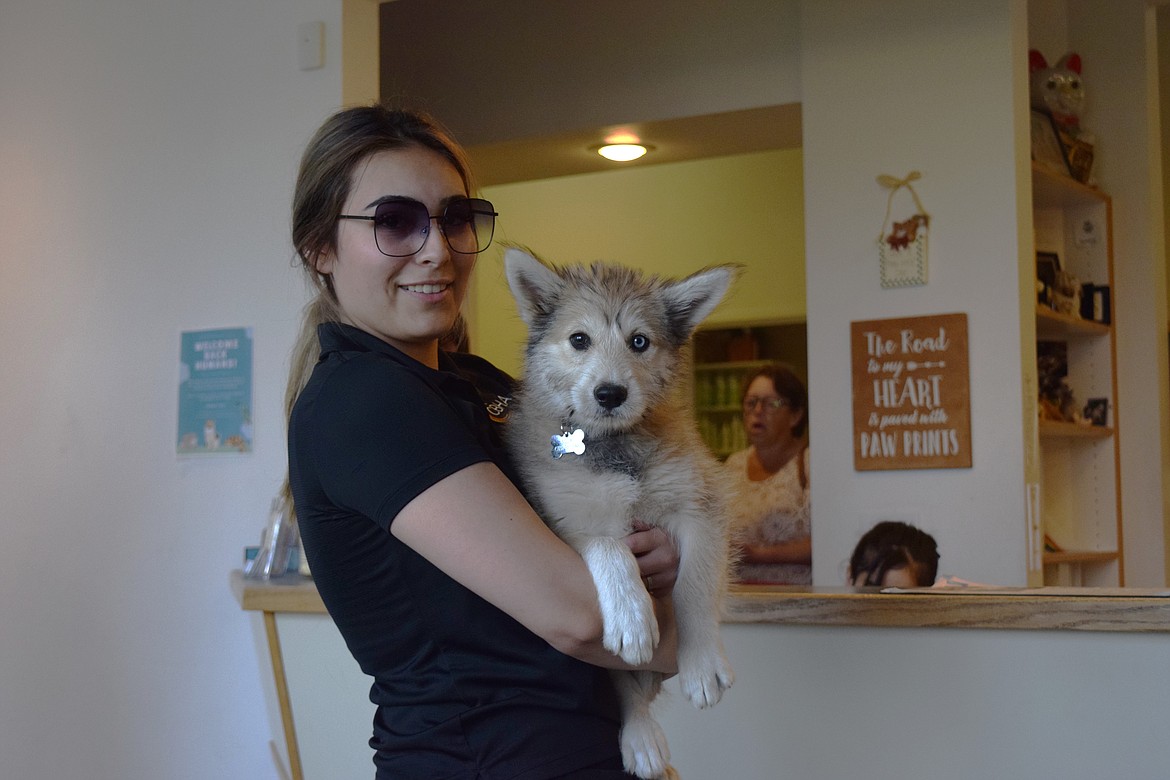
(1052, 189)
(1080, 556)
(1069, 430)
(738, 365)
(1052, 324)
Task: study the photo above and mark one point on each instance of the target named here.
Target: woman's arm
(477, 528)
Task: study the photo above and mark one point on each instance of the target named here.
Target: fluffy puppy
(603, 433)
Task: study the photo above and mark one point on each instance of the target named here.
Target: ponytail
(304, 356)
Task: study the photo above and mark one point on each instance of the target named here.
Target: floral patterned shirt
(772, 510)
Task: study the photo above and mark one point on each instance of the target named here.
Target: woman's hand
(658, 558)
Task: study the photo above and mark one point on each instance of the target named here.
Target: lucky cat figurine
(1058, 90)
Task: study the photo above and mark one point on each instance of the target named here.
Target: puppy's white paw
(630, 627)
(704, 683)
(644, 750)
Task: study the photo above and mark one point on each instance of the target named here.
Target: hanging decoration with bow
(902, 251)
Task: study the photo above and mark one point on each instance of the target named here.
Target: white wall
(148, 152)
(934, 94)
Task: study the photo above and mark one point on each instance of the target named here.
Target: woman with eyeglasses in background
(769, 505)
(480, 628)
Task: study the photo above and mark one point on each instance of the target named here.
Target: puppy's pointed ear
(690, 300)
(534, 285)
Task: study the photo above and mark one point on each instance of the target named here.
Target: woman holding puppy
(480, 627)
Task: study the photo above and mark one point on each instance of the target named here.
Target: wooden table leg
(286, 716)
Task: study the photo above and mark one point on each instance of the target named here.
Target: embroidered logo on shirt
(498, 409)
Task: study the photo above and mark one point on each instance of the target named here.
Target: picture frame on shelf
(1095, 303)
(1078, 155)
(1047, 267)
(1047, 151)
(1097, 411)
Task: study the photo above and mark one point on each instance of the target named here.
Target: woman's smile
(427, 288)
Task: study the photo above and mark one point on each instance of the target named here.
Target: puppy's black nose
(610, 396)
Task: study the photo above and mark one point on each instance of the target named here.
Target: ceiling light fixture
(623, 152)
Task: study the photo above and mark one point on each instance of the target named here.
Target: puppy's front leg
(704, 672)
(627, 612)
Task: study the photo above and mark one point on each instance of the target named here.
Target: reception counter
(835, 683)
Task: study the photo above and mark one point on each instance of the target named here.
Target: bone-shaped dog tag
(568, 442)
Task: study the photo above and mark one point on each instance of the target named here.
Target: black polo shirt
(462, 689)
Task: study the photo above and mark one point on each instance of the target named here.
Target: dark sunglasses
(401, 227)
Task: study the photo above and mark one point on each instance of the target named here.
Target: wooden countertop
(1080, 609)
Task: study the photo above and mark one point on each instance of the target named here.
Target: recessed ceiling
(674, 140)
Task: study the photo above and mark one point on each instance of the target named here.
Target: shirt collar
(339, 337)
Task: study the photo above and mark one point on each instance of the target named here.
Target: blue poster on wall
(215, 392)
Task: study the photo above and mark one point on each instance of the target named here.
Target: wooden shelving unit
(1080, 487)
(1056, 430)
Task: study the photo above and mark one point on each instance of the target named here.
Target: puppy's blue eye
(579, 341)
(639, 343)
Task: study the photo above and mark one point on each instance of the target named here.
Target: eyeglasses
(768, 404)
(401, 227)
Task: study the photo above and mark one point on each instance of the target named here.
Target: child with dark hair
(894, 554)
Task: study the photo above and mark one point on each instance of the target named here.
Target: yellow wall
(670, 219)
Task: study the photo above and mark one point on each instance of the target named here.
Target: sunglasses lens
(468, 225)
(400, 227)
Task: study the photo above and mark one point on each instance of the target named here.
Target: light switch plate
(311, 45)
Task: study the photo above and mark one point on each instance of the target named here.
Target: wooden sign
(911, 393)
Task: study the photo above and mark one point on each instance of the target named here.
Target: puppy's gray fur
(606, 355)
